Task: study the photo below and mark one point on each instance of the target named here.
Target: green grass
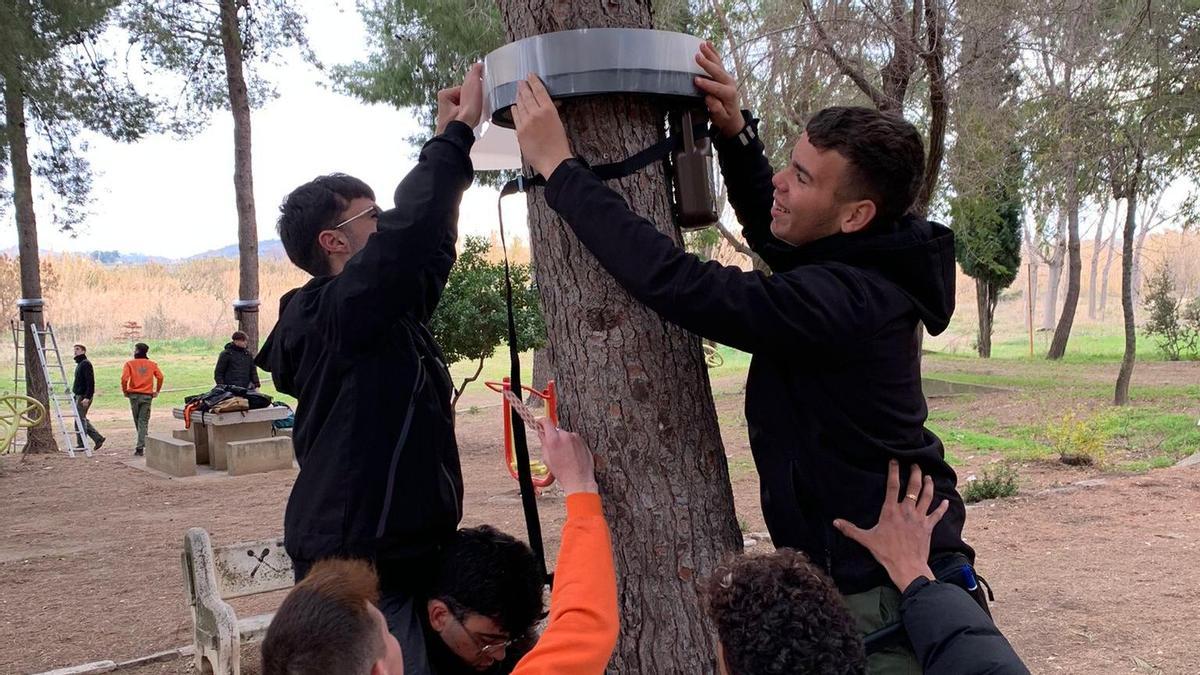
(1016, 443)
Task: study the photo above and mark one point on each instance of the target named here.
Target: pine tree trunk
(1054, 268)
(39, 439)
(1121, 397)
(986, 306)
(1096, 245)
(543, 372)
(635, 387)
(1108, 259)
(1062, 333)
(243, 175)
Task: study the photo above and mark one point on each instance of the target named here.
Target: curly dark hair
(887, 160)
(779, 614)
(487, 572)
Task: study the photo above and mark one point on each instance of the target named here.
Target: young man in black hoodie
(379, 469)
(834, 388)
(84, 388)
(235, 365)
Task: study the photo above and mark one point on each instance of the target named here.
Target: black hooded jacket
(235, 366)
(379, 470)
(834, 388)
(84, 384)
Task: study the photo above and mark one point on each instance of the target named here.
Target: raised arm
(405, 264)
(582, 633)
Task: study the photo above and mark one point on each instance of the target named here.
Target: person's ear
(333, 241)
(379, 668)
(439, 615)
(857, 215)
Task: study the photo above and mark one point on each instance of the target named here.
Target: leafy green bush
(1174, 322)
(996, 482)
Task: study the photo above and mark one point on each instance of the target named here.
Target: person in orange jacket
(141, 380)
(334, 625)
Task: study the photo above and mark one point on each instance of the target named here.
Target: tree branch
(855, 74)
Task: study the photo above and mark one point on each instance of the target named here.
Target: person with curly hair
(779, 613)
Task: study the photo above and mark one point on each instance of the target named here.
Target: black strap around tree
(626, 167)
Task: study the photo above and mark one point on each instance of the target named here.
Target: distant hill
(119, 258)
(269, 249)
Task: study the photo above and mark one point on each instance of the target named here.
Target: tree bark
(1054, 266)
(243, 174)
(635, 387)
(1097, 244)
(1032, 256)
(39, 439)
(543, 372)
(986, 305)
(1062, 333)
(1112, 240)
(1121, 397)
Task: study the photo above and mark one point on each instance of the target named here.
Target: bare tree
(1097, 244)
(633, 385)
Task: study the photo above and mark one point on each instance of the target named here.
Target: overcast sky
(174, 198)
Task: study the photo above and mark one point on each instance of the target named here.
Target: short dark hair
(487, 572)
(887, 160)
(323, 625)
(239, 335)
(80, 348)
(141, 349)
(779, 613)
(312, 208)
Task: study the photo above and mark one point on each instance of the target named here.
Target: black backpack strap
(533, 524)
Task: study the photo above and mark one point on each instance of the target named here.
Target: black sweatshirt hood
(915, 254)
(80, 358)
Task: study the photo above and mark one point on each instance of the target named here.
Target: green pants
(140, 405)
(873, 610)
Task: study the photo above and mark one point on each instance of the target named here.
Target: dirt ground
(1089, 578)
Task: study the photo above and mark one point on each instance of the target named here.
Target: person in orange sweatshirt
(314, 633)
(141, 380)
(582, 633)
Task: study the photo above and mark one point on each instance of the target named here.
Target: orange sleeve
(158, 376)
(126, 376)
(582, 632)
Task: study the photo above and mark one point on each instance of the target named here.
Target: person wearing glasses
(483, 606)
(379, 469)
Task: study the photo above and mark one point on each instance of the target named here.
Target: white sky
(174, 198)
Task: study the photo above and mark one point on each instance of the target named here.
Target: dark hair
(323, 625)
(239, 335)
(487, 572)
(80, 348)
(141, 349)
(312, 208)
(778, 613)
(887, 160)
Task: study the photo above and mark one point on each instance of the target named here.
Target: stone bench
(170, 455)
(213, 575)
(259, 455)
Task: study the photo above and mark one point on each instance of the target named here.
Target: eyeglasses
(373, 209)
(485, 648)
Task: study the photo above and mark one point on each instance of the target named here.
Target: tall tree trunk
(634, 386)
(1108, 258)
(1062, 333)
(1054, 266)
(1121, 397)
(1097, 243)
(243, 174)
(985, 301)
(39, 439)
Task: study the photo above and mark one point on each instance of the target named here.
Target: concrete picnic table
(212, 432)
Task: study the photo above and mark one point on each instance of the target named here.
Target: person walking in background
(235, 365)
(84, 389)
(141, 380)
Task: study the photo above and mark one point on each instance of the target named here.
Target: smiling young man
(834, 388)
(379, 469)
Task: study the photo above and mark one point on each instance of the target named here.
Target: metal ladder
(62, 401)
